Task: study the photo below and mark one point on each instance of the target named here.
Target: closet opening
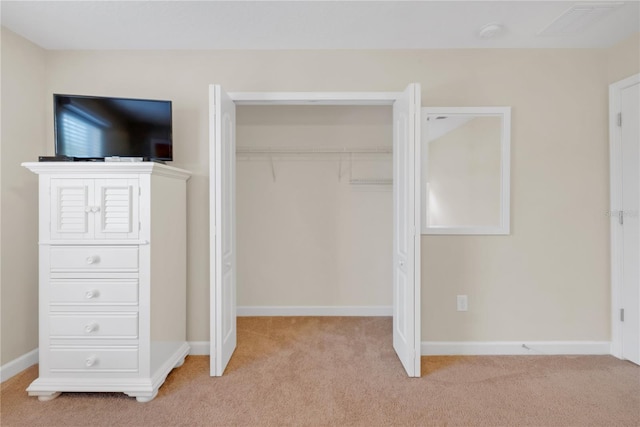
(314, 210)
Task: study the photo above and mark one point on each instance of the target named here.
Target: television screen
(91, 127)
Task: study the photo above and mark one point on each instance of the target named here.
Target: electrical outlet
(462, 302)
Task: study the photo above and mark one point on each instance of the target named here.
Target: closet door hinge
(619, 119)
(622, 314)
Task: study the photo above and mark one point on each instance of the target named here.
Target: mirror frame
(504, 227)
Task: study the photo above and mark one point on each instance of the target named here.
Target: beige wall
(23, 138)
(624, 59)
(548, 280)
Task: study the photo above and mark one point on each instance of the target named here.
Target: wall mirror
(465, 170)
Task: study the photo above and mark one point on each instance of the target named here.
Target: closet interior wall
(314, 206)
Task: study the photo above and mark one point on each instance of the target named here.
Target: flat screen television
(94, 128)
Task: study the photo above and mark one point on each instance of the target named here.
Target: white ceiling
(303, 24)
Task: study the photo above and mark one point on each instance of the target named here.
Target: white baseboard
(354, 310)
(483, 348)
(428, 348)
(476, 348)
(18, 365)
(199, 348)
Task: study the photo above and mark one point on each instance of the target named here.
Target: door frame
(316, 98)
(615, 185)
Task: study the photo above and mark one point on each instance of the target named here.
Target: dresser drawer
(99, 325)
(93, 359)
(74, 258)
(93, 292)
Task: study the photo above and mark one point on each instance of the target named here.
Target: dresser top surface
(82, 168)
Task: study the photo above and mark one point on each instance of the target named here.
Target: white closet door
(630, 137)
(406, 233)
(223, 225)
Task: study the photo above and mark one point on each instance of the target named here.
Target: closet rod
(371, 181)
(247, 150)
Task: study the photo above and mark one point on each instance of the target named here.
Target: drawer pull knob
(91, 327)
(87, 209)
(95, 208)
(94, 293)
(93, 259)
(90, 361)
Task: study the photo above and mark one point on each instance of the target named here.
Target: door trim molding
(297, 98)
(615, 204)
(314, 98)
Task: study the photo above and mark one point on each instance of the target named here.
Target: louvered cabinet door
(117, 217)
(71, 208)
(100, 209)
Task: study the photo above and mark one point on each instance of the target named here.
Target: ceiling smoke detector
(490, 31)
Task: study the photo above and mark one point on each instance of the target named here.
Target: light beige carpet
(343, 371)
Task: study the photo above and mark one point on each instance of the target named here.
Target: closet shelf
(271, 151)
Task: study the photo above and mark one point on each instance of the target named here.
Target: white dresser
(112, 277)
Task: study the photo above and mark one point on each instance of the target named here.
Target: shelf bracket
(273, 168)
(350, 166)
